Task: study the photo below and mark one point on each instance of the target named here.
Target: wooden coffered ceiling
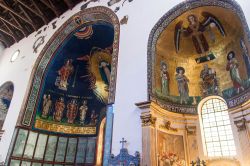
(19, 18)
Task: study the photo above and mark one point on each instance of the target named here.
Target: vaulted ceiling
(19, 18)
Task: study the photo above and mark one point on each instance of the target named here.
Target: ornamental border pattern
(163, 22)
(89, 15)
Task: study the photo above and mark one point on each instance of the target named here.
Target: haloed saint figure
(209, 84)
(164, 79)
(182, 82)
(233, 68)
(64, 73)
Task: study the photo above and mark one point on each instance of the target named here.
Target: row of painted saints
(209, 81)
(99, 69)
(72, 109)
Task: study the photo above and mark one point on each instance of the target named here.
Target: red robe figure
(64, 73)
(71, 111)
(59, 108)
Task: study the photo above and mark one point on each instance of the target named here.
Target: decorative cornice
(239, 99)
(148, 120)
(143, 105)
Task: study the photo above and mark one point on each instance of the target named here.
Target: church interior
(124, 83)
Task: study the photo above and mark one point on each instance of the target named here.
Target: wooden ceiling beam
(8, 33)
(13, 25)
(7, 44)
(11, 32)
(15, 13)
(34, 2)
(33, 11)
(29, 18)
(19, 24)
(51, 6)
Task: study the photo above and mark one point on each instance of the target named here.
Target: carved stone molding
(191, 130)
(240, 124)
(148, 120)
(167, 126)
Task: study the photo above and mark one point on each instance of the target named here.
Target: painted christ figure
(64, 73)
(105, 72)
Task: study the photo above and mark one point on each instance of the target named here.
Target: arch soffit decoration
(163, 23)
(86, 16)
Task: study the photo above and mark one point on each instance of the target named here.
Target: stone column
(108, 135)
(149, 157)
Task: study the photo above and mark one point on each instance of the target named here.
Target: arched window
(217, 129)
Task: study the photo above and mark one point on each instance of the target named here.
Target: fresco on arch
(74, 95)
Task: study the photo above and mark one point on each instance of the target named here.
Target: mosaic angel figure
(196, 29)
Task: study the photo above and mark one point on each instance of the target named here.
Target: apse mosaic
(202, 52)
(6, 93)
(75, 87)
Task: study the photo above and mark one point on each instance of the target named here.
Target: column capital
(148, 120)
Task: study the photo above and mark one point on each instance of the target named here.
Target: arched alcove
(6, 93)
(196, 50)
(199, 49)
(72, 83)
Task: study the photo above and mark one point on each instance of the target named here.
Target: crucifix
(78, 20)
(123, 141)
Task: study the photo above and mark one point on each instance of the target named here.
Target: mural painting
(193, 53)
(75, 89)
(6, 93)
(171, 150)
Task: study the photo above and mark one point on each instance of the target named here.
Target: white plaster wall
(132, 68)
